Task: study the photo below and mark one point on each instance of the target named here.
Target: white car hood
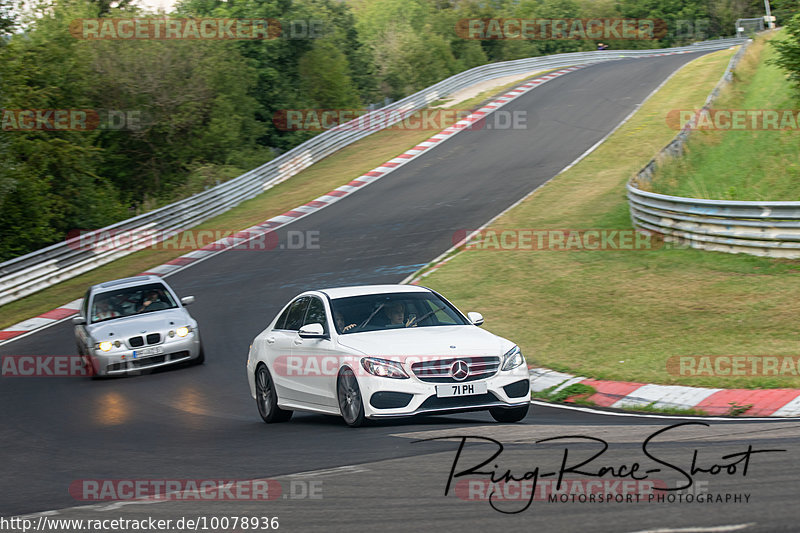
(155, 321)
(446, 341)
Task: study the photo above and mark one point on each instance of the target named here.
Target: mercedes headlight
(384, 368)
(513, 358)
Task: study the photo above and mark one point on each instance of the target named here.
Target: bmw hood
(445, 341)
(156, 321)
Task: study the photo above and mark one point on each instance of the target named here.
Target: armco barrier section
(37, 270)
(770, 229)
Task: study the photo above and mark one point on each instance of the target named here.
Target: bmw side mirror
(475, 318)
(186, 300)
(312, 331)
(79, 321)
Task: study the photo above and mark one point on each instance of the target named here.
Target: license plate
(155, 350)
(460, 389)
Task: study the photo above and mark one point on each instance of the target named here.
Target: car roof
(126, 282)
(361, 290)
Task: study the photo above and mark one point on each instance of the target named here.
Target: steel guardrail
(763, 228)
(770, 229)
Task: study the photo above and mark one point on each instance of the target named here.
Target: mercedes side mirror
(475, 318)
(312, 331)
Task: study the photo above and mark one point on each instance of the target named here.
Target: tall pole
(770, 24)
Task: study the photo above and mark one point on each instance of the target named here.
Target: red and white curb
(241, 238)
(621, 394)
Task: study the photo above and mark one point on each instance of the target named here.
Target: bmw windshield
(131, 301)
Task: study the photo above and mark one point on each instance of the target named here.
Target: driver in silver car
(153, 302)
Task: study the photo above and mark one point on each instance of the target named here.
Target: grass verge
(331, 172)
(575, 393)
(678, 411)
(741, 164)
(622, 314)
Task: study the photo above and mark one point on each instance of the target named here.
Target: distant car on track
(378, 351)
(133, 324)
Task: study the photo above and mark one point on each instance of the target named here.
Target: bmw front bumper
(126, 361)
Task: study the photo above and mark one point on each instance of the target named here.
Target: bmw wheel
(267, 398)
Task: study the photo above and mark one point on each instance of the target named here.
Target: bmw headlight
(106, 346)
(384, 368)
(513, 358)
(180, 332)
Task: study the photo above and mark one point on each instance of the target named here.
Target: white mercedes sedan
(378, 351)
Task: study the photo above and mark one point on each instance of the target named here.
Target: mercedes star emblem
(459, 370)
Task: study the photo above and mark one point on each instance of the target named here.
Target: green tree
(675, 14)
(325, 79)
(195, 109)
(7, 19)
(193, 105)
(279, 85)
(789, 51)
(104, 7)
(784, 10)
(49, 180)
(336, 24)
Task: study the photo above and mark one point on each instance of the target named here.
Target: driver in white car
(395, 312)
(341, 323)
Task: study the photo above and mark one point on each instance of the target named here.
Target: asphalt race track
(200, 422)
